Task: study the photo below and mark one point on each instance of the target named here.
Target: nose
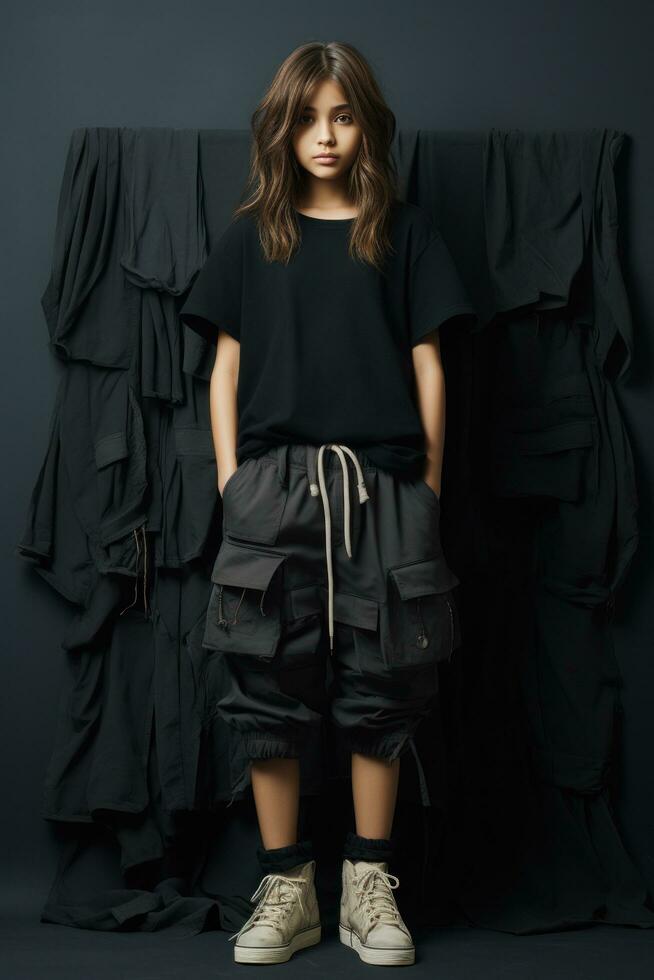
(326, 137)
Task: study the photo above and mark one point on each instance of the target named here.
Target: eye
(342, 115)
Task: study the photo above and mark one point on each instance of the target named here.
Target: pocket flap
(303, 601)
(250, 568)
(423, 577)
(110, 448)
(555, 439)
(354, 610)
(194, 441)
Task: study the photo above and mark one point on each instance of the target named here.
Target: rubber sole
(378, 956)
(277, 954)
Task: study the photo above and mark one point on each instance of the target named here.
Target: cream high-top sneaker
(286, 918)
(370, 920)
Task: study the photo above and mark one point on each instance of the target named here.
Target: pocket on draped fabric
(547, 447)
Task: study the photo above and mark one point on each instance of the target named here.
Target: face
(327, 125)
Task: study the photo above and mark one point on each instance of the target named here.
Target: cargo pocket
(244, 612)
(419, 624)
(549, 463)
(303, 630)
(549, 447)
(359, 615)
(254, 501)
(120, 461)
(191, 495)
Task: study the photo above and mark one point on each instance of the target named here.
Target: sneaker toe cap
(260, 936)
(389, 937)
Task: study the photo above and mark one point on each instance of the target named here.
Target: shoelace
(271, 911)
(374, 893)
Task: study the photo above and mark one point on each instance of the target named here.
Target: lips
(326, 156)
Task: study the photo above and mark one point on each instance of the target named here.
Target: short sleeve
(436, 292)
(214, 301)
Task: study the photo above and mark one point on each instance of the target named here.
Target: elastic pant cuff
(386, 747)
(358, 848)
(283, 858)
(271, 747)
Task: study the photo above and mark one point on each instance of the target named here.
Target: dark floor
(30, 950)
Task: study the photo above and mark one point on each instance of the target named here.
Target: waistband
(304, 455)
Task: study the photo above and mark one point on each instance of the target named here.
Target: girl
(324, 296)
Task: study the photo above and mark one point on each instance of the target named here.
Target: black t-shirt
(326, 340)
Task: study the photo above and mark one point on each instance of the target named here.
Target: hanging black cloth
(545, 528)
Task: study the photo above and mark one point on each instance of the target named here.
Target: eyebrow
(343, 105)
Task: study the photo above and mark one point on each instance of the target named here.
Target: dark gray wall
(465, 65)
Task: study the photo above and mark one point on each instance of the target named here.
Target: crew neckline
(324, 221)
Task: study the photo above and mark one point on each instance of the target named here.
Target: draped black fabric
(544, 531)
(508, 815)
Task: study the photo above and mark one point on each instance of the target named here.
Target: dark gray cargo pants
(283, 577)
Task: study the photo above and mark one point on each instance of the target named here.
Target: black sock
(283, 858)
(358, 848)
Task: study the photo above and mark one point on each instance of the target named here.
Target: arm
(430, 391)
(223, 405)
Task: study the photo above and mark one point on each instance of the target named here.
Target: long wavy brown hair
(275, 176)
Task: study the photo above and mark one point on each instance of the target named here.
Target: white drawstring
(363, 496)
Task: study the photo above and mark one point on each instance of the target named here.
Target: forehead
(326, 94)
